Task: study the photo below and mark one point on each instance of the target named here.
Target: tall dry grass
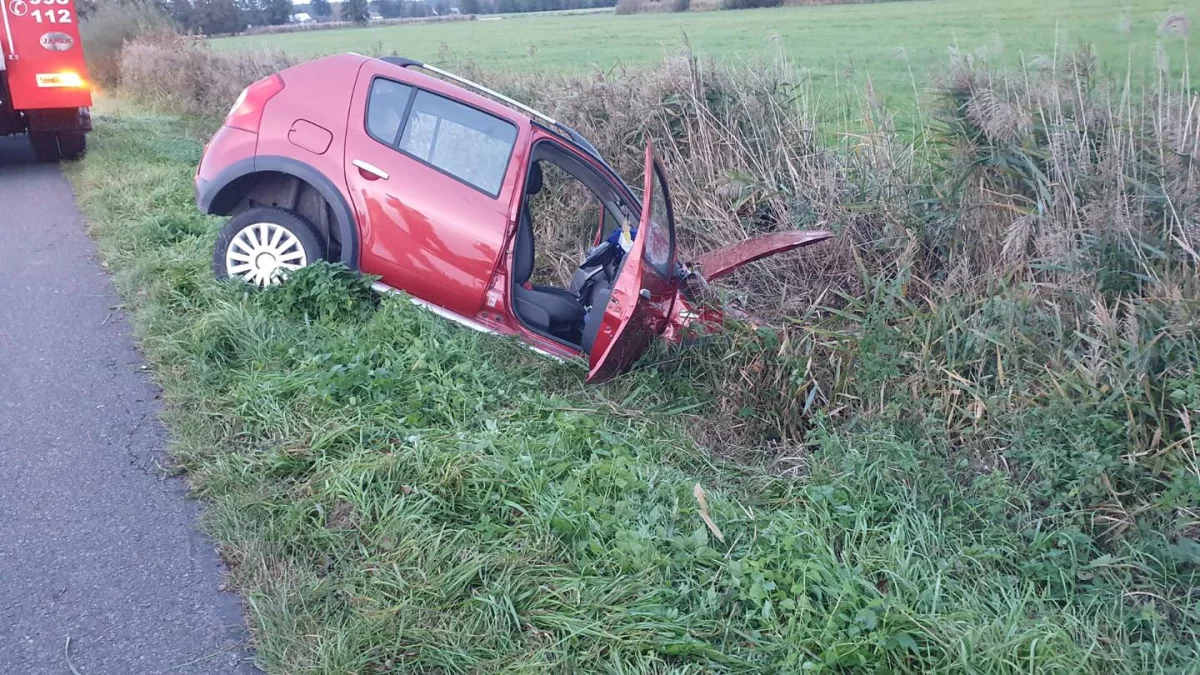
(110, 26)
(179, 74)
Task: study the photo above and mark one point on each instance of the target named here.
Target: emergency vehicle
(44, 91)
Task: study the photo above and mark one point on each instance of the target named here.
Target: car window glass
(659, 237)
(612, 220)
(385, 109)
(460, 140)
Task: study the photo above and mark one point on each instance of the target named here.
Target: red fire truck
(44, 91)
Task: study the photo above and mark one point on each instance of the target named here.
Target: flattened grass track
(96, 545)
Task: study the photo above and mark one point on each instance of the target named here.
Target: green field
(894, 44)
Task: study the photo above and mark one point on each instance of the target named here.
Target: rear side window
(385, 109)
(466, 143)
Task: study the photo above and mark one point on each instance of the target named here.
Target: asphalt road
(96, 545)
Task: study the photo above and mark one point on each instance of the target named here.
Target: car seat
(555, 311)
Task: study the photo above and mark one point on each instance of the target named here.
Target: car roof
(466, 94)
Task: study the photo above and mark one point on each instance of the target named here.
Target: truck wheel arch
(285, 183)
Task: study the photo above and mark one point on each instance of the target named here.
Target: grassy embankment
(969, 448)
(395, 492)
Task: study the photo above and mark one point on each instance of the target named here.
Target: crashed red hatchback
(425, 179)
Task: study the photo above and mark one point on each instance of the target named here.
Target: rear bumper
(59, 119)
(38, 121)
(228, 156)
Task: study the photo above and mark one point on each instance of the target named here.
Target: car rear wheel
(262, 245)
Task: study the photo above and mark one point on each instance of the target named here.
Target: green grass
(395, 493)
(899, 46)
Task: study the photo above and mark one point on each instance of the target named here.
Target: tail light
(247, 110)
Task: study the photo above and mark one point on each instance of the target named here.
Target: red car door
(430, 177)
(646, 287)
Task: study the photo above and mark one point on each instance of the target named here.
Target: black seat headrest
(533, 184)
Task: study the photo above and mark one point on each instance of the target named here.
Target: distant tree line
(509, 6)
(361, 10)
(211, 17)
(227, 16)
(208, 16)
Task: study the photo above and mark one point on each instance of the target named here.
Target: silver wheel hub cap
(263, 254)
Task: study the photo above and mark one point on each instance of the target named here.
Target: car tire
(261, 245)
(45, 146)
(72, 144)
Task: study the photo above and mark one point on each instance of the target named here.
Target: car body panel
(725, 261)
(317, 93)
(228, 147)
(642, 297)
(310, 136)
(425, 232)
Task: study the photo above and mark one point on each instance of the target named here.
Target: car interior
(570, 315)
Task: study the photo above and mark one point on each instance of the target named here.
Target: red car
(425, 179)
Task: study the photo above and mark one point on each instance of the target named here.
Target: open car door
(640, 304)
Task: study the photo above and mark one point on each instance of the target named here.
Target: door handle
(370, 171)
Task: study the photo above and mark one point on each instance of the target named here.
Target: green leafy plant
(323, 292)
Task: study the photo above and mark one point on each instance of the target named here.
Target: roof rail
(404, 62)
